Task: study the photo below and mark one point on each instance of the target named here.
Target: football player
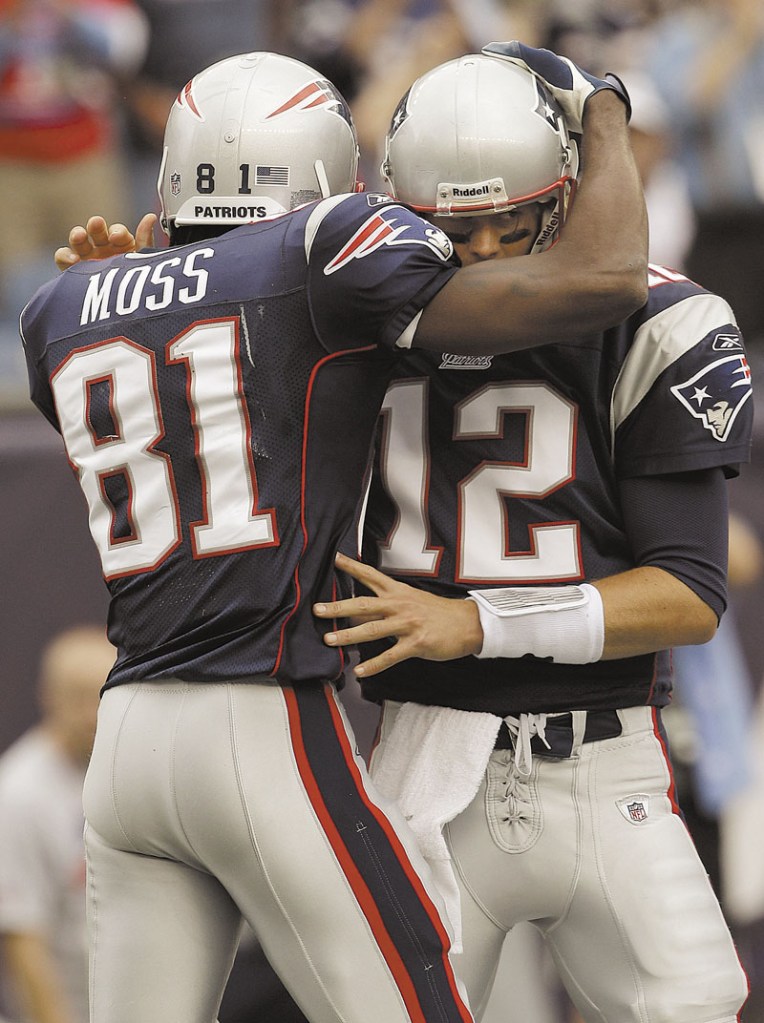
(217, 402)
(573, 498)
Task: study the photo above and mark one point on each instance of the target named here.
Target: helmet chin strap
(323, 180)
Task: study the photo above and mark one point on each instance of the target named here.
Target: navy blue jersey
(504, 471)
(217, 402)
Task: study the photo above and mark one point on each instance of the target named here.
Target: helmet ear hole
(251, 137)
(477, 136)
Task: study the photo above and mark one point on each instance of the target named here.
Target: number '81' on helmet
(253, 136)
(477, 136)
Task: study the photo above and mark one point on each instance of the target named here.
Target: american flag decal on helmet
(271, 175)
(717, 393)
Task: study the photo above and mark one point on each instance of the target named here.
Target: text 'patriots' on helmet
(477, 136)
(253, 136)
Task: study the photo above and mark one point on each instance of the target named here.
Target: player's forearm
(648, 609)
(636, 612)
(606, 233)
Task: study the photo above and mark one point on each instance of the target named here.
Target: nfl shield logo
(635, 808)
(175, 183)
(637, 811)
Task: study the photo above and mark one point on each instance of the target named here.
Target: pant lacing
(522, 730)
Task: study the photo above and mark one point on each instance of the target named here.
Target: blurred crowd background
(85, 88)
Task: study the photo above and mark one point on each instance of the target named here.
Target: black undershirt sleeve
(680, 523)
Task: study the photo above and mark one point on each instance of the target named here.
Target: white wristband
(564, 623)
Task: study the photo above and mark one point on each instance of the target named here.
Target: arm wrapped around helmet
(571, 86)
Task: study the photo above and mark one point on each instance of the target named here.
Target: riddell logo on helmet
(549, 230)
(469, 193)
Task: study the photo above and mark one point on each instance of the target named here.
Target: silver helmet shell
(253, 136)
(477, 136)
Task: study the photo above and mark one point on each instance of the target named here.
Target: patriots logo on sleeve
(387, 228)
(717, 393)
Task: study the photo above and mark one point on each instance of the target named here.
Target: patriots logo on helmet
(717, 393)
(400, 115)
(383, 229)
(315, 94)
(544, 107)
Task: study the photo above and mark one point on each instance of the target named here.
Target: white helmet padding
(253, 136)
(478, 136)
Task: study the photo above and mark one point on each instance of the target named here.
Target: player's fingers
(98, 231)
(120, 238)
(144, 232)
(365, 632)
(370, 577)
(80, 242)
(64, 257)
(374, 665)
(354, 607)
(383, 661)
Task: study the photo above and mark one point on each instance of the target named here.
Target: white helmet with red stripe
(479, 135)
(253, 136)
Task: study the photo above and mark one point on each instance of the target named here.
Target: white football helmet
(253, 136)
(478, 136)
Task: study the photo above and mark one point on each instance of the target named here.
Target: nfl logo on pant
(635, 808)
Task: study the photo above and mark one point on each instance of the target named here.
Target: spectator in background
(61, 64)
(669, 211)
(42, 857)
(708, 62)
(587, 30)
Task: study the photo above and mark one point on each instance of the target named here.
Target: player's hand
(98, 240)
(435, 628)
(570, 85)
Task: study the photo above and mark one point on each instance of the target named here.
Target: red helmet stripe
(298, 98)
(185, 96)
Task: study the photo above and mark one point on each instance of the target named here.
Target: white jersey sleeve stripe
(658, 343)
(316, 218)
